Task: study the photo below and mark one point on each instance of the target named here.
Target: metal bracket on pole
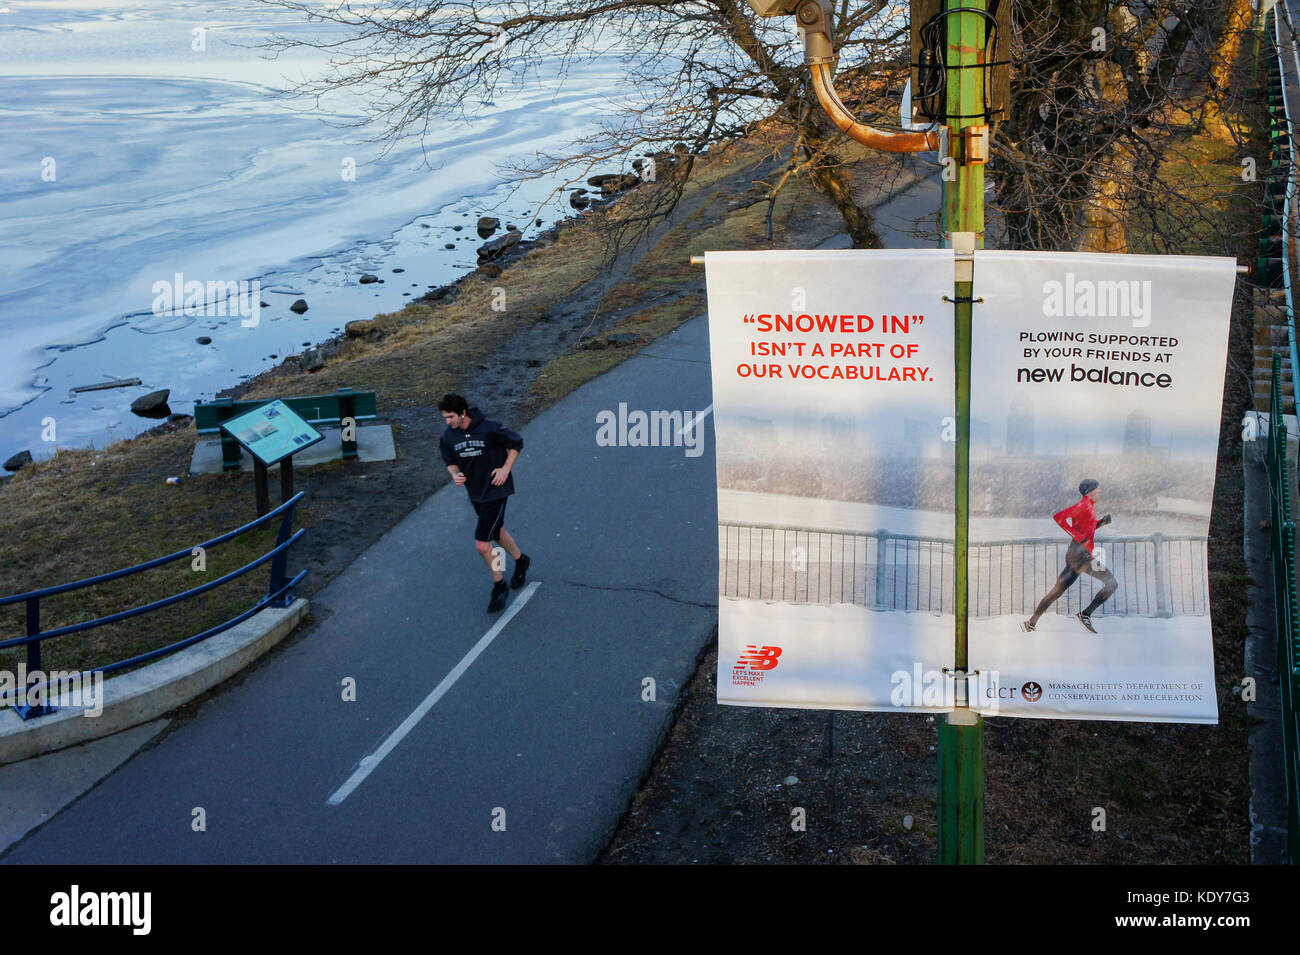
(962, 715)
(975, 145)
(963, 249)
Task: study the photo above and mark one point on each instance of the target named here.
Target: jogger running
(1080, 522)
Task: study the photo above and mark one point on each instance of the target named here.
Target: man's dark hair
(454, 403)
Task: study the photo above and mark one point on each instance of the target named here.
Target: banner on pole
(1096, 396)
(1096, 391)
(833, 405)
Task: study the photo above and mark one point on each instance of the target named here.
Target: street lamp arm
(814, 20)
(887, 140)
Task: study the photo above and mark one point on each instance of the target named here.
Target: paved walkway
(474, 737)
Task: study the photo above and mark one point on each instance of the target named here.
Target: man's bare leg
(485, 551)
(509, 544)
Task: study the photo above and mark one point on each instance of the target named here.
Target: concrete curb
(149, 692)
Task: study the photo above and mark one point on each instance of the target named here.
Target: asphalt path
(474, 738)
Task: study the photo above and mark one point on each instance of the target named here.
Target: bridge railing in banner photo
(1158, 575)
(1285, 608)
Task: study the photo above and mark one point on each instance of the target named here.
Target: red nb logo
(758, 658)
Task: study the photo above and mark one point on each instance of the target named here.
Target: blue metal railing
(280, 592)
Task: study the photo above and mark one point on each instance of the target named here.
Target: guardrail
(1159, 575)
(1285, 607)
(280, 591)
(1282, 536)
(1280, 138)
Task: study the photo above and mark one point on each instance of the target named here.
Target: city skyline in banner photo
(1096, 392)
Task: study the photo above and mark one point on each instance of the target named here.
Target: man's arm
(452, 461)
(500, 474)
(1065, 519)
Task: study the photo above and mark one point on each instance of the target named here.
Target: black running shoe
(521, 571)
(1086, 621)
(499, 594)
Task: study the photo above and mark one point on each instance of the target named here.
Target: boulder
(299, 306)
(368, 278)
(500, 245)
(579, 199)
(617, 184)
(151, 403)
(487, 225)
(204, 340)
(490, 269)
(18, 460)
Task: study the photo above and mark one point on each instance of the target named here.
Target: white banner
(1096, 396)
(833, 402)
(1104, 374)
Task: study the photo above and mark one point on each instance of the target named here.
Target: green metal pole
(961, 747)
(1257, 33)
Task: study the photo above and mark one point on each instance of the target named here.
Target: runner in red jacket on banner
(1080, 522)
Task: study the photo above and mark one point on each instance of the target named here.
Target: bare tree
(1103, 94)
(1098, 87)
(699, 73)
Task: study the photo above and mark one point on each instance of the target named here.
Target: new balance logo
(754, 664)
(758, 658)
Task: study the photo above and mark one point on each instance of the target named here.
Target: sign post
(961, 733)
(272, 433)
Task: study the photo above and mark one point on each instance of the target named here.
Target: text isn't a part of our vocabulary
(834, 372)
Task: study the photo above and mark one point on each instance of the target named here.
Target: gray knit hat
(1086, 485)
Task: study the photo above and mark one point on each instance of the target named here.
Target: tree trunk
(829, 177)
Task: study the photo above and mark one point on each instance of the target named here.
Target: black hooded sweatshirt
(479, 450)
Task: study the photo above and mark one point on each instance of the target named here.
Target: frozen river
(133, 158)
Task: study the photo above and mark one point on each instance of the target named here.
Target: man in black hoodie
(480, 455)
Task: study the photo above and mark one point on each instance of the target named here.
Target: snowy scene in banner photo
(1097, 385)
(833, 397)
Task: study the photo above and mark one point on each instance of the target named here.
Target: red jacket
(1082, 522)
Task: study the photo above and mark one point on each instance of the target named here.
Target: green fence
(1284, 607)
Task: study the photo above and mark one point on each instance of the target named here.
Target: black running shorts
(491, 518)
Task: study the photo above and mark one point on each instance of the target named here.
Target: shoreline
(197, 324)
